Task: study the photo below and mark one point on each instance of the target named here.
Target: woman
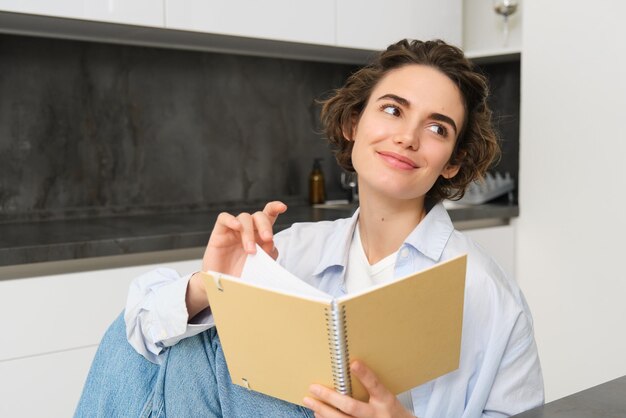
(416, 128)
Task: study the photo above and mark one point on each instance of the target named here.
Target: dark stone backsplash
(91, 129)
(504, 82)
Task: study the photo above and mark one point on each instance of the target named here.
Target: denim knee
(120, 381)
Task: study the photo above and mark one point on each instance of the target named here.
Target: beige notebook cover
(278, 336)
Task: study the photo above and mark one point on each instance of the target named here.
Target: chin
(401, 194)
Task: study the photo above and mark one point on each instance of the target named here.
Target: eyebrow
(401, 100)
(436, 116)
(444, 118)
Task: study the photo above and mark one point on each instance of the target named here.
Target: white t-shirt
(360, 274)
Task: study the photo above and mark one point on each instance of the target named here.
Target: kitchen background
(93, 129)
(565, 244)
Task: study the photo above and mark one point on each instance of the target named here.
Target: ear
(349, 136)
(450, 171)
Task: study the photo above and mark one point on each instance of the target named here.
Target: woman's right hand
(232, 239)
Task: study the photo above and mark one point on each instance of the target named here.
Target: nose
(408, 138)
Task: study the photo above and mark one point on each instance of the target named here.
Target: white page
(262, 270)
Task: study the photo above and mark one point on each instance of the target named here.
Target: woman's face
(406, 133)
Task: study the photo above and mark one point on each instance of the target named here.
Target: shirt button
(404, 253)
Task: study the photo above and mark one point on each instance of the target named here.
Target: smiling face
(406, 133)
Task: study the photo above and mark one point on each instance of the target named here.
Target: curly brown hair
(477, 146)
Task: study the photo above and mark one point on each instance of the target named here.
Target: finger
(225, 229)
(263, 226)
(272, 252)
(270, 249)
(226, 222)
(322, 410)
(345, 403)
(273, 209)
(248, 240)
(369, 380)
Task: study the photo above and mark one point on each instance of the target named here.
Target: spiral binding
(338, 344)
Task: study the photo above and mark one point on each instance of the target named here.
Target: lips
(397, 160)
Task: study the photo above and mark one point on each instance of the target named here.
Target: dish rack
(493, 185)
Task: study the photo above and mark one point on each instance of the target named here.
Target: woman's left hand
(382, 403)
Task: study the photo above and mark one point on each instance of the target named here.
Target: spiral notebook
(279, 334)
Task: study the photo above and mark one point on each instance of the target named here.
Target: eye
(390, 109)
(439, 130)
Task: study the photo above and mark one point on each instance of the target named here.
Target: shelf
(491, 56)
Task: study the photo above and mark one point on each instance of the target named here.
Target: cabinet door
(65, 311)
(57, 8)
(132, 12)
(284, 20)
(55, 380)
(51, 326)
(370, 24)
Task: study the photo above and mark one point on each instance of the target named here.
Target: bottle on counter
(317, 189)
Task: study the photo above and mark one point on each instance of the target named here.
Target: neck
(384, 224)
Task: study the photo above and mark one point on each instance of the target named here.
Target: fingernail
(267, 235)
(314, 390)
(250, 247)
(307, 402)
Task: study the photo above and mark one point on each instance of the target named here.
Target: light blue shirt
(499, 373)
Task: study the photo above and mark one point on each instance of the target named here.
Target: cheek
(361, 156)
(356, 154)
(370, 129)
(439, 153)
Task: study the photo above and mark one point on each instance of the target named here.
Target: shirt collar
(338, 244)
(429, 237)
(432, 234)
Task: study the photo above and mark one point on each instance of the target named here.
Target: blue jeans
(191, 381)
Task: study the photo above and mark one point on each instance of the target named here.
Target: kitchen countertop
(602, 401)
(34, 242)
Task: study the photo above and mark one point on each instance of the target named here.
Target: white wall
(483, 29)
(570, 246)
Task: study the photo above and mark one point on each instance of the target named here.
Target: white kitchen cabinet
(64, 311)
(483, 30)
(60, 311)
(284, 20)
(344, 31)
(373, 24)
(131, 12)
(58, 8)
(48, 385)
(51, 327)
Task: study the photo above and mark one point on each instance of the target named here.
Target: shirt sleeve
(518, 383)
(503, 375)
(499, 373)
(156, 313)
